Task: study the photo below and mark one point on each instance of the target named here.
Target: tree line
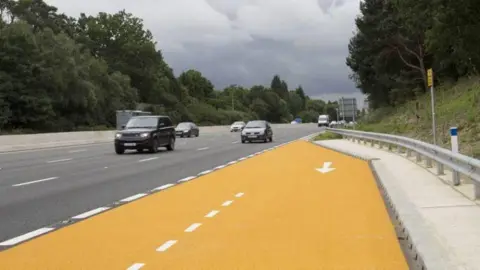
(398, 40)
(59, 73)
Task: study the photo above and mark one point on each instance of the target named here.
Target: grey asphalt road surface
(42, 187)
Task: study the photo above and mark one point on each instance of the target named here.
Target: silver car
(258, 130)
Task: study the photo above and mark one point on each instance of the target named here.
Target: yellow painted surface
(290, 217)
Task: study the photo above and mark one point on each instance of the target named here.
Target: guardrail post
(399, 149)
(429, 163)
(477, 190)
(372, 142)
(440, 169)
(456, 178)
(409, 153)
(419, 157)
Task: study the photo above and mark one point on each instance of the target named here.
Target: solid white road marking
(136, 266)
(25, 237)
(243, 158)
(166, 245)
(59, 160)
(147, 159)
(77, 151)
(187, 179)
(235, 142)
(212, 213)
(91, 213)
(193, 227)
(163, 187)
(250, 156)
(227, 203)
(232, 162)
(33, 182)
(204, 148)
(205, 172)
(220, 167)
(240, 194)
(134, 197)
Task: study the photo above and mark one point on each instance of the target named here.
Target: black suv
(146, 132)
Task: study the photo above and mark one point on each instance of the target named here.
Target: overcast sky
(246, 42)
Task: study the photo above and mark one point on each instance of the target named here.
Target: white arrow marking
(326, 168)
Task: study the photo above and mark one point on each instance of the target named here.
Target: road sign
(430, 77)
(326, 168)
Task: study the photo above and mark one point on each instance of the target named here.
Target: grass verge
(456, 105)
(327, 136)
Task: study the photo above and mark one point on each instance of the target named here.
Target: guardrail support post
(477, 190)
(399, 149)
(372, 142)
(419, 157)
(429, 163)
(456, 178)
(409, 153)
(440, 169)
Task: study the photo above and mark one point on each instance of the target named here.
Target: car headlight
(118, 135)
(144, 135)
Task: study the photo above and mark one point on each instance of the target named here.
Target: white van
(323, 120)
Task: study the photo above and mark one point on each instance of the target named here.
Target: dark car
(187, 129)
(258, 130)
(146, 132)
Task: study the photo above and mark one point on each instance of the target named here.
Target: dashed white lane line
(235, 142)
(134, 197)
(205, 172)
(36, 181)
(91, 213)
(166, 245)
(25, 237)
(136, 266)
(220, 167)
(148, 159)
(193, 227)
(59, 160)
(77, 151)
(212, 213)
(186, 179)
(203, 148)
(227, 203)
(240, 194)
(163, 187)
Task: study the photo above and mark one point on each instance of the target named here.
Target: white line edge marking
(250, 156)
(26, 236)
(77, 151)
(187, 179)
(166, 245)
(227, 203)
(232, 162)
(212, 213)
(33, 182)
(205, 172)
(147, 159)
(240, 194)
(163, 187)
(59, 160)
(235, 142)
(203, 148)
(193, 227)
(243, 158)
(220, 167)
(134, 197)
(136, 266)
(91, 212)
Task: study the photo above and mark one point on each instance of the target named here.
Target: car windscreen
(255, 124)
(322, 118)
(238, 123)
(142, 122)
(183, 125)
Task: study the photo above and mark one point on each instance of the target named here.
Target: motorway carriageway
(283, 208)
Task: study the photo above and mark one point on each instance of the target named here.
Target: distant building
(347, 109)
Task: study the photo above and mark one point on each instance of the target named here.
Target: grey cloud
(246, 42)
